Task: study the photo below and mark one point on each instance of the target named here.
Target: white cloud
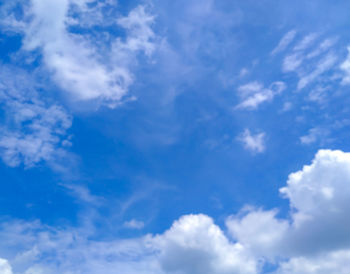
(315, 239)
(318, 228)
(260, 231)
(337, 262)
(195, 245)
(287, 106)
(5, 267)
(33, 130)
(292, 62)
(345, 66)
(138, 24)
(324, 65)
(253, 94)
(320, 59)
(285, 41)
(254, 143)
(250, 88)
(243, 72)
(86, 65)
(134, 224)
(320, 190)
(306, 42)
(316, 134)
(36, 248)
(319, 94)
(83, 194)
(323, 47)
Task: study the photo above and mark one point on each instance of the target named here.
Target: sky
(174, 137)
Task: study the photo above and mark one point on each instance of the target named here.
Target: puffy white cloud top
(195, 245)
(5, 268)
(318, 228)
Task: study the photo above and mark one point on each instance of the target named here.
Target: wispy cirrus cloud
(253, 94)
(305, 42)
(327, 44)
(324, 65)
(320, 59)
(284, 42)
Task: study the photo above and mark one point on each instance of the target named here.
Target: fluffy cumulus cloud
(5, 267)
(259, 230)
(33, 130)
(318, 228)
(195, 245)
(314, 239)
(87, 64)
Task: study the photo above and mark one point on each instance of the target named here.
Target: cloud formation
(33, 130)
(310, 61)
(195, 245)
(314, 239)
(318, 227)
(93, 66)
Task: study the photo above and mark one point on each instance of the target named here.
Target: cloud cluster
(87, 64)
(315, 61)
(32, 130)
(314, 239)
(318, 227)
(194, 244)
(307, 60)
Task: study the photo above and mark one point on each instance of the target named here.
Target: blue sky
(185, 137)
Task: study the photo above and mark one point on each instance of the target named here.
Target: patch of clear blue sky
(175, 149)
